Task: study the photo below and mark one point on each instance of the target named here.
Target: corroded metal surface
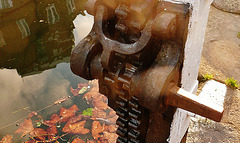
(135, 49)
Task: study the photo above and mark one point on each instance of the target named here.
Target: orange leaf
(96, 113)
(81, 85)
(74, 108)
(111, 137)
(112, 128)
(6, 139)
(96, 129)
(91, 141)
(76, 128)
(75, 91)
(51, 131)
(38, 134)
(66, 114)
(54, 119)
(25, 127)
(77, 140)
(98, 102)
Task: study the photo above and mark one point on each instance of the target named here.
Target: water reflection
(35, 36)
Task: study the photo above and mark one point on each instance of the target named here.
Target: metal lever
(181, 98)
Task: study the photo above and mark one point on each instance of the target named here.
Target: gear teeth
(121, 140)
(122, 102)
(122, 132)
(122, 122)
(134, 113)
(133, 141)
(134, 134)
(122, 112)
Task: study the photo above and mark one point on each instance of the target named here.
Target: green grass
(207, 77)
(231, 82)
(238, 35)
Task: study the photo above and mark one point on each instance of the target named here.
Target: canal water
(36, 40)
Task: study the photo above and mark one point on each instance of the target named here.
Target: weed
(238, 35)
(231, 82)
(207, 77)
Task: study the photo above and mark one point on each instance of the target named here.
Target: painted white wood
(192, 56)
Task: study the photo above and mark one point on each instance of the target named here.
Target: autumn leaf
(38, 134)
(52, 131)
(76, 128)
(66, 114)
(25, 127)
(6, 139)
(91, 141)
(112, 128)
(112, 116)
(75, 91)
(54, 119)
(111, 137)
(77, 140)
(96, 129)
(98, 102)
(96, 113)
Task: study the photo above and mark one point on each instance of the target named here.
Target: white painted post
(192, 55)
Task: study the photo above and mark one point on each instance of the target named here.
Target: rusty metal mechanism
(135, 49)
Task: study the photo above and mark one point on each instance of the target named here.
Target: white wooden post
(192, 55)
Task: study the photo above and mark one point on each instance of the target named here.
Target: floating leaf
(66, 114)
(38, 134)
(83, 90)
(96, 113)
(112, 128)
(76, 128)
(111, 137)
(25, 127)
(52, 131)
(39, 124)
(77, 140)
(96, 129)
(88, 112)
(6, 139)
(97, 102)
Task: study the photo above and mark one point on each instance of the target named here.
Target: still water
(36, 39)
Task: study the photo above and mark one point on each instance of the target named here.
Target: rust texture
(135, 49)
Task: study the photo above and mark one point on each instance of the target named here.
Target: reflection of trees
(36, 34)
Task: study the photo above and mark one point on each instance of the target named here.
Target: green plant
(232, 83)
(238, 35)
(207, 77)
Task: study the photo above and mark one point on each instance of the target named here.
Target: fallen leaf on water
(75, 91)
(112, 128)
(96, 113)
(76, 128)
(66, 114)
(111, 137)
(54, 119)
(112, 116)
(25, 127)
(52, 131)
(98, 102)
(96, 129)
(87, 112)
(77, 140)
(91, 141)
(81, 85)
(38, 134)
(6, 139)
(82, 90)
(74, 108)
(31, 114)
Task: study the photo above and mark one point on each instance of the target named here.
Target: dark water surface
(36, 39)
